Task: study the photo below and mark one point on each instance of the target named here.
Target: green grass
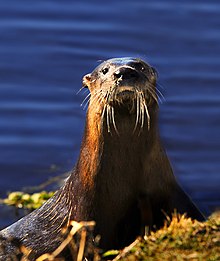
(28, 201)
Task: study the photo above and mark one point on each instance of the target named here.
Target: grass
(180, 239)
(28, 201)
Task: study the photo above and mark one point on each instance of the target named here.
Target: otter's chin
(124, 95)
(124, 102)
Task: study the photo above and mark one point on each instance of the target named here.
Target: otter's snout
(125, 73)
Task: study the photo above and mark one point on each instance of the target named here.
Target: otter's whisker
(141, 117)
(160, 94)
(148, 116)
(86, 104)
(104, 108)
(96, 97)
(103, 114)
(142, 113)
(146, 110)
(141, 109)
(108, 112)
(89, 100)
(160, 85)
(108, 118)
(113, 120)
(87, 97)
(100, 98)
(152, 92)
(137, 110)
(83, 87)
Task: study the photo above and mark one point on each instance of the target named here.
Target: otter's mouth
(123, 97)
(127, 100)
(125, 93)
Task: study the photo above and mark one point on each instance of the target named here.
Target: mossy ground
(28, 201)
(180, 239)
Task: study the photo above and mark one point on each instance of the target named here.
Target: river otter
(123, 179)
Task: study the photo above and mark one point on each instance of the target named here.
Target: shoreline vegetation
(181, 238)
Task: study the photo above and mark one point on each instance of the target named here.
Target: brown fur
(123, 179)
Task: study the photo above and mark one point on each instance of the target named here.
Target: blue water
(47, 46)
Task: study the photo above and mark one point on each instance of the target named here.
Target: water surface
(45, 49)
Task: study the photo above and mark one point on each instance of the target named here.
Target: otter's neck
(91, 149)
(108, 155)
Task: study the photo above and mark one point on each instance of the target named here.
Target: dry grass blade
(82, 245)
(126, 250)
(75, 228)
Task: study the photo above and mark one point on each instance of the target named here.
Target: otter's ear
(154, 72)
(86, 80)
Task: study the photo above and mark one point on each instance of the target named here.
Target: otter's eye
(140, 67)
(105, 70)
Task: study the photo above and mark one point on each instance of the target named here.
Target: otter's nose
(125, 73)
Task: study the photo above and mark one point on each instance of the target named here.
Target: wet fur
(123, 180)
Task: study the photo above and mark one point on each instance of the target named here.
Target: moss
(29, 201)
(179, 239)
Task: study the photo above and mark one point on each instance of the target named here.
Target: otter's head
(126, 85)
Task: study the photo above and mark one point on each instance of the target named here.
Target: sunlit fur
(122, 179)
(143, 93)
